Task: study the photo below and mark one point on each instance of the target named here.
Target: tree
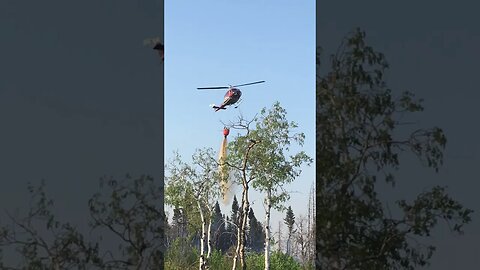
(359, 143)
(238, 163)
(179, 223)
(218, 228)
(290, 222)
(199, 185)
(231, 232)
(178, 235)
(303, 242)
(269, 165)
(234, 215)
(255, 233)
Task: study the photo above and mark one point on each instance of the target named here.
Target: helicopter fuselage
(231, 97)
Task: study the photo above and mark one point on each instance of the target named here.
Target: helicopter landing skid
(238, 104)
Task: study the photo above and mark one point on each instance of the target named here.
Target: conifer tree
(255, 233)
(290, 222)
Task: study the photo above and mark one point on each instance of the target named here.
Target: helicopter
(231, 97)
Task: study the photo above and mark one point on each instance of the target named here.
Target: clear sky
(218, 43)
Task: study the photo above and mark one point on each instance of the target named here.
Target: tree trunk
(267, 230)
(202, 238)
(280, 236)
(240, 250)
(242, 226)
(310, 227)
(237, 249)
(209, 241)
(246, 208)
(288, 244)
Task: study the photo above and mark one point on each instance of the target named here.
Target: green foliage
(235, 210)
(220, 236)
(358, 144)
(180, 255)
(278, 261)
(193, 189)
(255, 261)
(219, 261)
(270, 164)
(260, 156)
(289, 219)
(232, 223)
(256, 234)
(190, 184)
(179, 188)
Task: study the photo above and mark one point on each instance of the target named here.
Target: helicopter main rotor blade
(213, 88)
(248, 83)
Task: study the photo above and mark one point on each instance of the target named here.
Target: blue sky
(217, 43)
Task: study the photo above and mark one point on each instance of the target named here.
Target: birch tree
(238, 167)
(197, 184)
(275, 166)
(261, 157)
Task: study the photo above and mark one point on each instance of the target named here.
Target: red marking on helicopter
(231, 97)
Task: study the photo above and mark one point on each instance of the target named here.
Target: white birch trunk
(267, 231)
(237, 249)
(246, 208)
(202, 238)
(209, 241)
(240, 250)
